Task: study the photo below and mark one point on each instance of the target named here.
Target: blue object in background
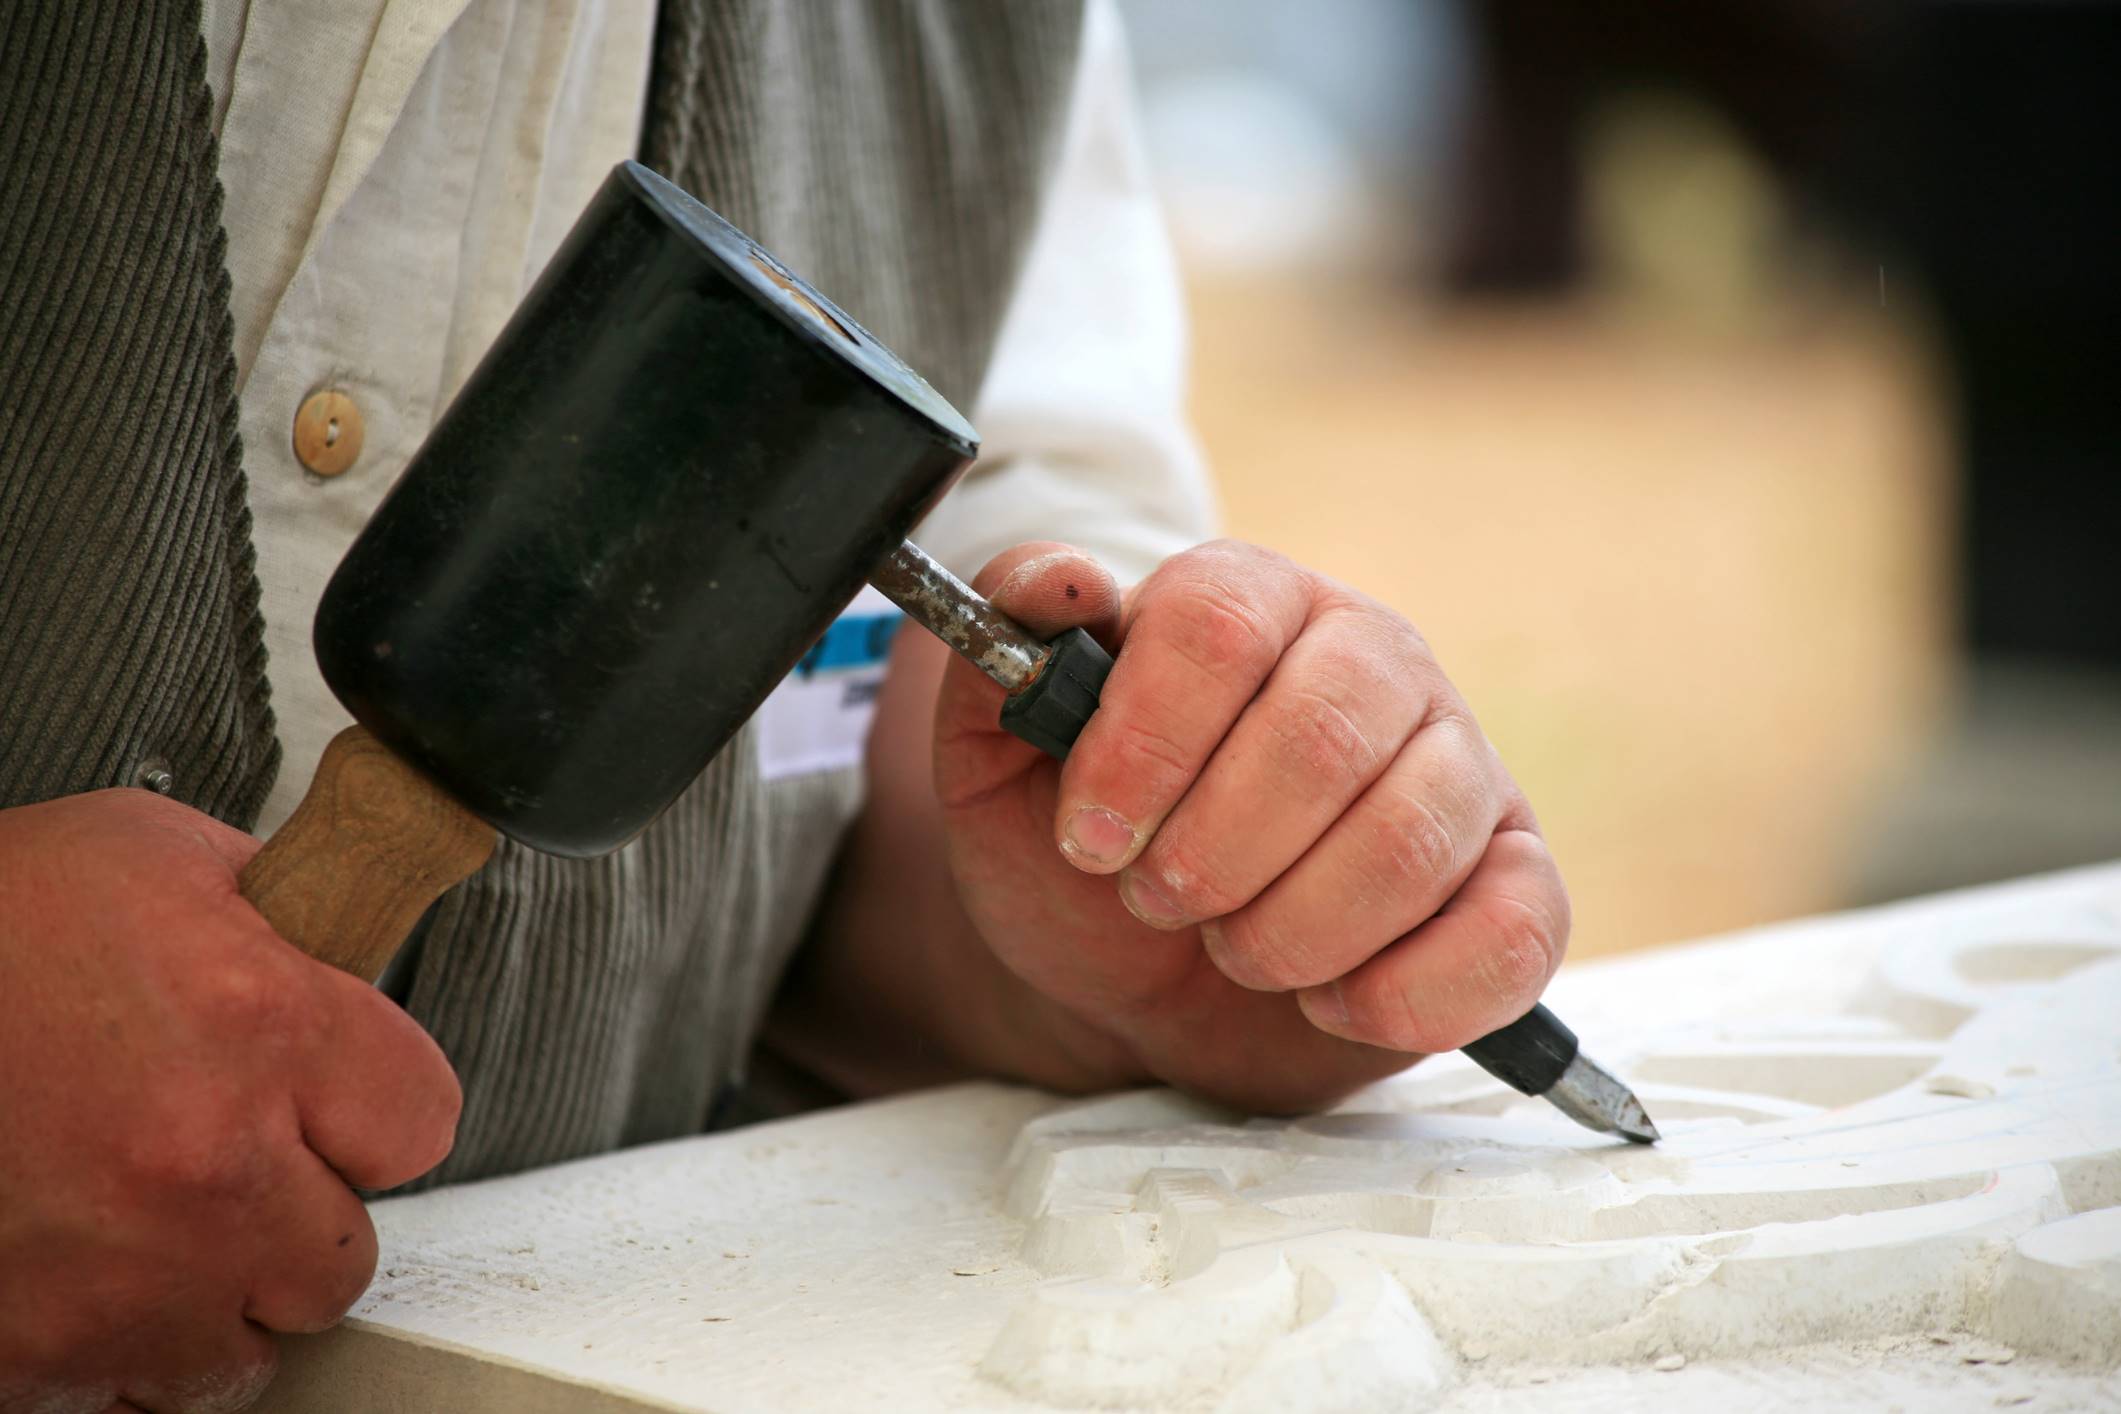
(853, 641)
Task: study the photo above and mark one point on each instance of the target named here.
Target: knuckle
(449, 1108)
(1388, 1009)
(1320, 742)
(1412, 846)
(1224, 556)
(432, 1141)
(1145, 751)
(1187, 872)
(1262, 958)
(196, 1153)
(1520, 954)
(1561, 923)
(1406, 645)
(340, 1282)
(1382, 1012)
(1148, 745)
(416, 1062)
(240, 998)
(1218, 633)
(1407, 1026)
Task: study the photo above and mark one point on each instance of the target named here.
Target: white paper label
(818, 718)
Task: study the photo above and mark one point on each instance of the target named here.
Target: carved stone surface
(1825, 1179)
(1892, 1173)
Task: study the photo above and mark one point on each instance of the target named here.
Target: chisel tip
(1589, 1095)
(1634, 1122)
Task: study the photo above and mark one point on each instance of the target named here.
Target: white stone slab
(1892, 1175)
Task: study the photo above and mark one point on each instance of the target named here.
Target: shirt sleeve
(1082, 416)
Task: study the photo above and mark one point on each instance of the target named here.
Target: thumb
(1048, 588)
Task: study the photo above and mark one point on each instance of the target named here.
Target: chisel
(1053, 691)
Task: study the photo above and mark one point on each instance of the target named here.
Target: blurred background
(1724, 388)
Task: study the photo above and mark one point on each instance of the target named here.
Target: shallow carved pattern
(1944, 1155)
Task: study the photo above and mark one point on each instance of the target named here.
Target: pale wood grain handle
(368, 849)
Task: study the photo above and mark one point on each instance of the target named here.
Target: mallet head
(668, 475)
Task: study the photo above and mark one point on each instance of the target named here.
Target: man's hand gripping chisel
(1053, 690)
(659, 487)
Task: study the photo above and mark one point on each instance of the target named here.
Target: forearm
(895, 988)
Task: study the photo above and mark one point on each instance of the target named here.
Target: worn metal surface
(947, 607)
(1589, 1095)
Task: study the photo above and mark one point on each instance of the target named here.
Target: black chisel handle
(1529, 1054)
(1051, 712)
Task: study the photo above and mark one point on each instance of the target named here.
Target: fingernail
(1097, 835)
(1148, 902)
(1326, 1007)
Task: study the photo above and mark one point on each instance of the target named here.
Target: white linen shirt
(397, 173)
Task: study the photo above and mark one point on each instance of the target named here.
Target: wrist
(1039, 1041)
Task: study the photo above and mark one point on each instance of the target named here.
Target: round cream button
(327, 432)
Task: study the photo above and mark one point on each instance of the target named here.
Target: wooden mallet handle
(368, 849)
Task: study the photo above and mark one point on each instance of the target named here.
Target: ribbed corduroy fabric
(129, 628)
(893, 150)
